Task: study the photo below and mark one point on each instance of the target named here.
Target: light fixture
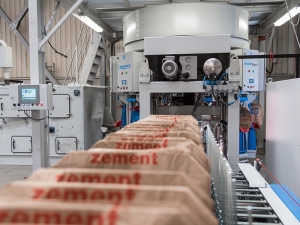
(89, 22)
(293, 12)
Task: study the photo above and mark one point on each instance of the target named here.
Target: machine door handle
(58, 146)
(14, 144)
(2, 106)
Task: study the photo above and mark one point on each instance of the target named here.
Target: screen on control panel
(29, 94)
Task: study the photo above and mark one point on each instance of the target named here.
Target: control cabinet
(31, 97)
(128, 71)
(253, 71)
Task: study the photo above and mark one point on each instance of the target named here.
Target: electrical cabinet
(253, 71)
(128, 71)
(74, 123)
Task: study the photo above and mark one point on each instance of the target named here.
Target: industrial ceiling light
(293, 12)
(89, 22)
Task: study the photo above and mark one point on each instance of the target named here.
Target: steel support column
(40, 150)
(233, 126)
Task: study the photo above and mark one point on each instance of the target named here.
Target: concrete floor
(11, 173)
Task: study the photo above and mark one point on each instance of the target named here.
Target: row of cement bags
(153, 172)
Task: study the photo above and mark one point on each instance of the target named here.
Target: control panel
(253, 71)
(128, 71)
(31, 97)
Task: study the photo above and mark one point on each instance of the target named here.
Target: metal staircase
(94, 59)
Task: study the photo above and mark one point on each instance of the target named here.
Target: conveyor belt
(250, 198)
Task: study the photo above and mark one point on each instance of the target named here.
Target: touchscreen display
(29, 94)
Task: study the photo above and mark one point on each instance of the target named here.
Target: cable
(297, 21)
(35, 118)
(219, 99)
(287, 7)
(196, 104)
(222, 76)
(57, 52)
(271, 71)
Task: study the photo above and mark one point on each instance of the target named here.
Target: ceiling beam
(268, 23)
(112, 15)
(116, 10)
(262, 9)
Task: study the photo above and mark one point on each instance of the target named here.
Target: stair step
(100, 52)
(94, 69)
(97, 60)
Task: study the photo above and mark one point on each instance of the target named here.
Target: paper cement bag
(165, 159)
(107, 194)
(245, 118)
(164, 127)
(168, 124)
(134, 177)
(170, 121)
(257, 115)
(176, 143)
(150, 136)
(49, 212)
(174, 117)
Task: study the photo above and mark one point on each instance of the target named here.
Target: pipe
(6, 71)
(3, 43)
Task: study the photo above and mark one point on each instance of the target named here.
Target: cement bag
(178, 117)
(170, 121)
(257, 115)
(134, 177)
(162, 127)
(170, 124)
(245, 118)
(108, 194)
(145, 129)
(177, 143)
(150, 136)
(165, 159)
(49, 212)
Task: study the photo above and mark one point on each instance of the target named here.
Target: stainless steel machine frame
(186, 45)
(243, 195)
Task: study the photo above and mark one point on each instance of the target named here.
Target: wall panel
(283, 43)
(64, 40)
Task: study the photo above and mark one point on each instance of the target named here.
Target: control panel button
(18, 104)
(41, 104)
(14, 104)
